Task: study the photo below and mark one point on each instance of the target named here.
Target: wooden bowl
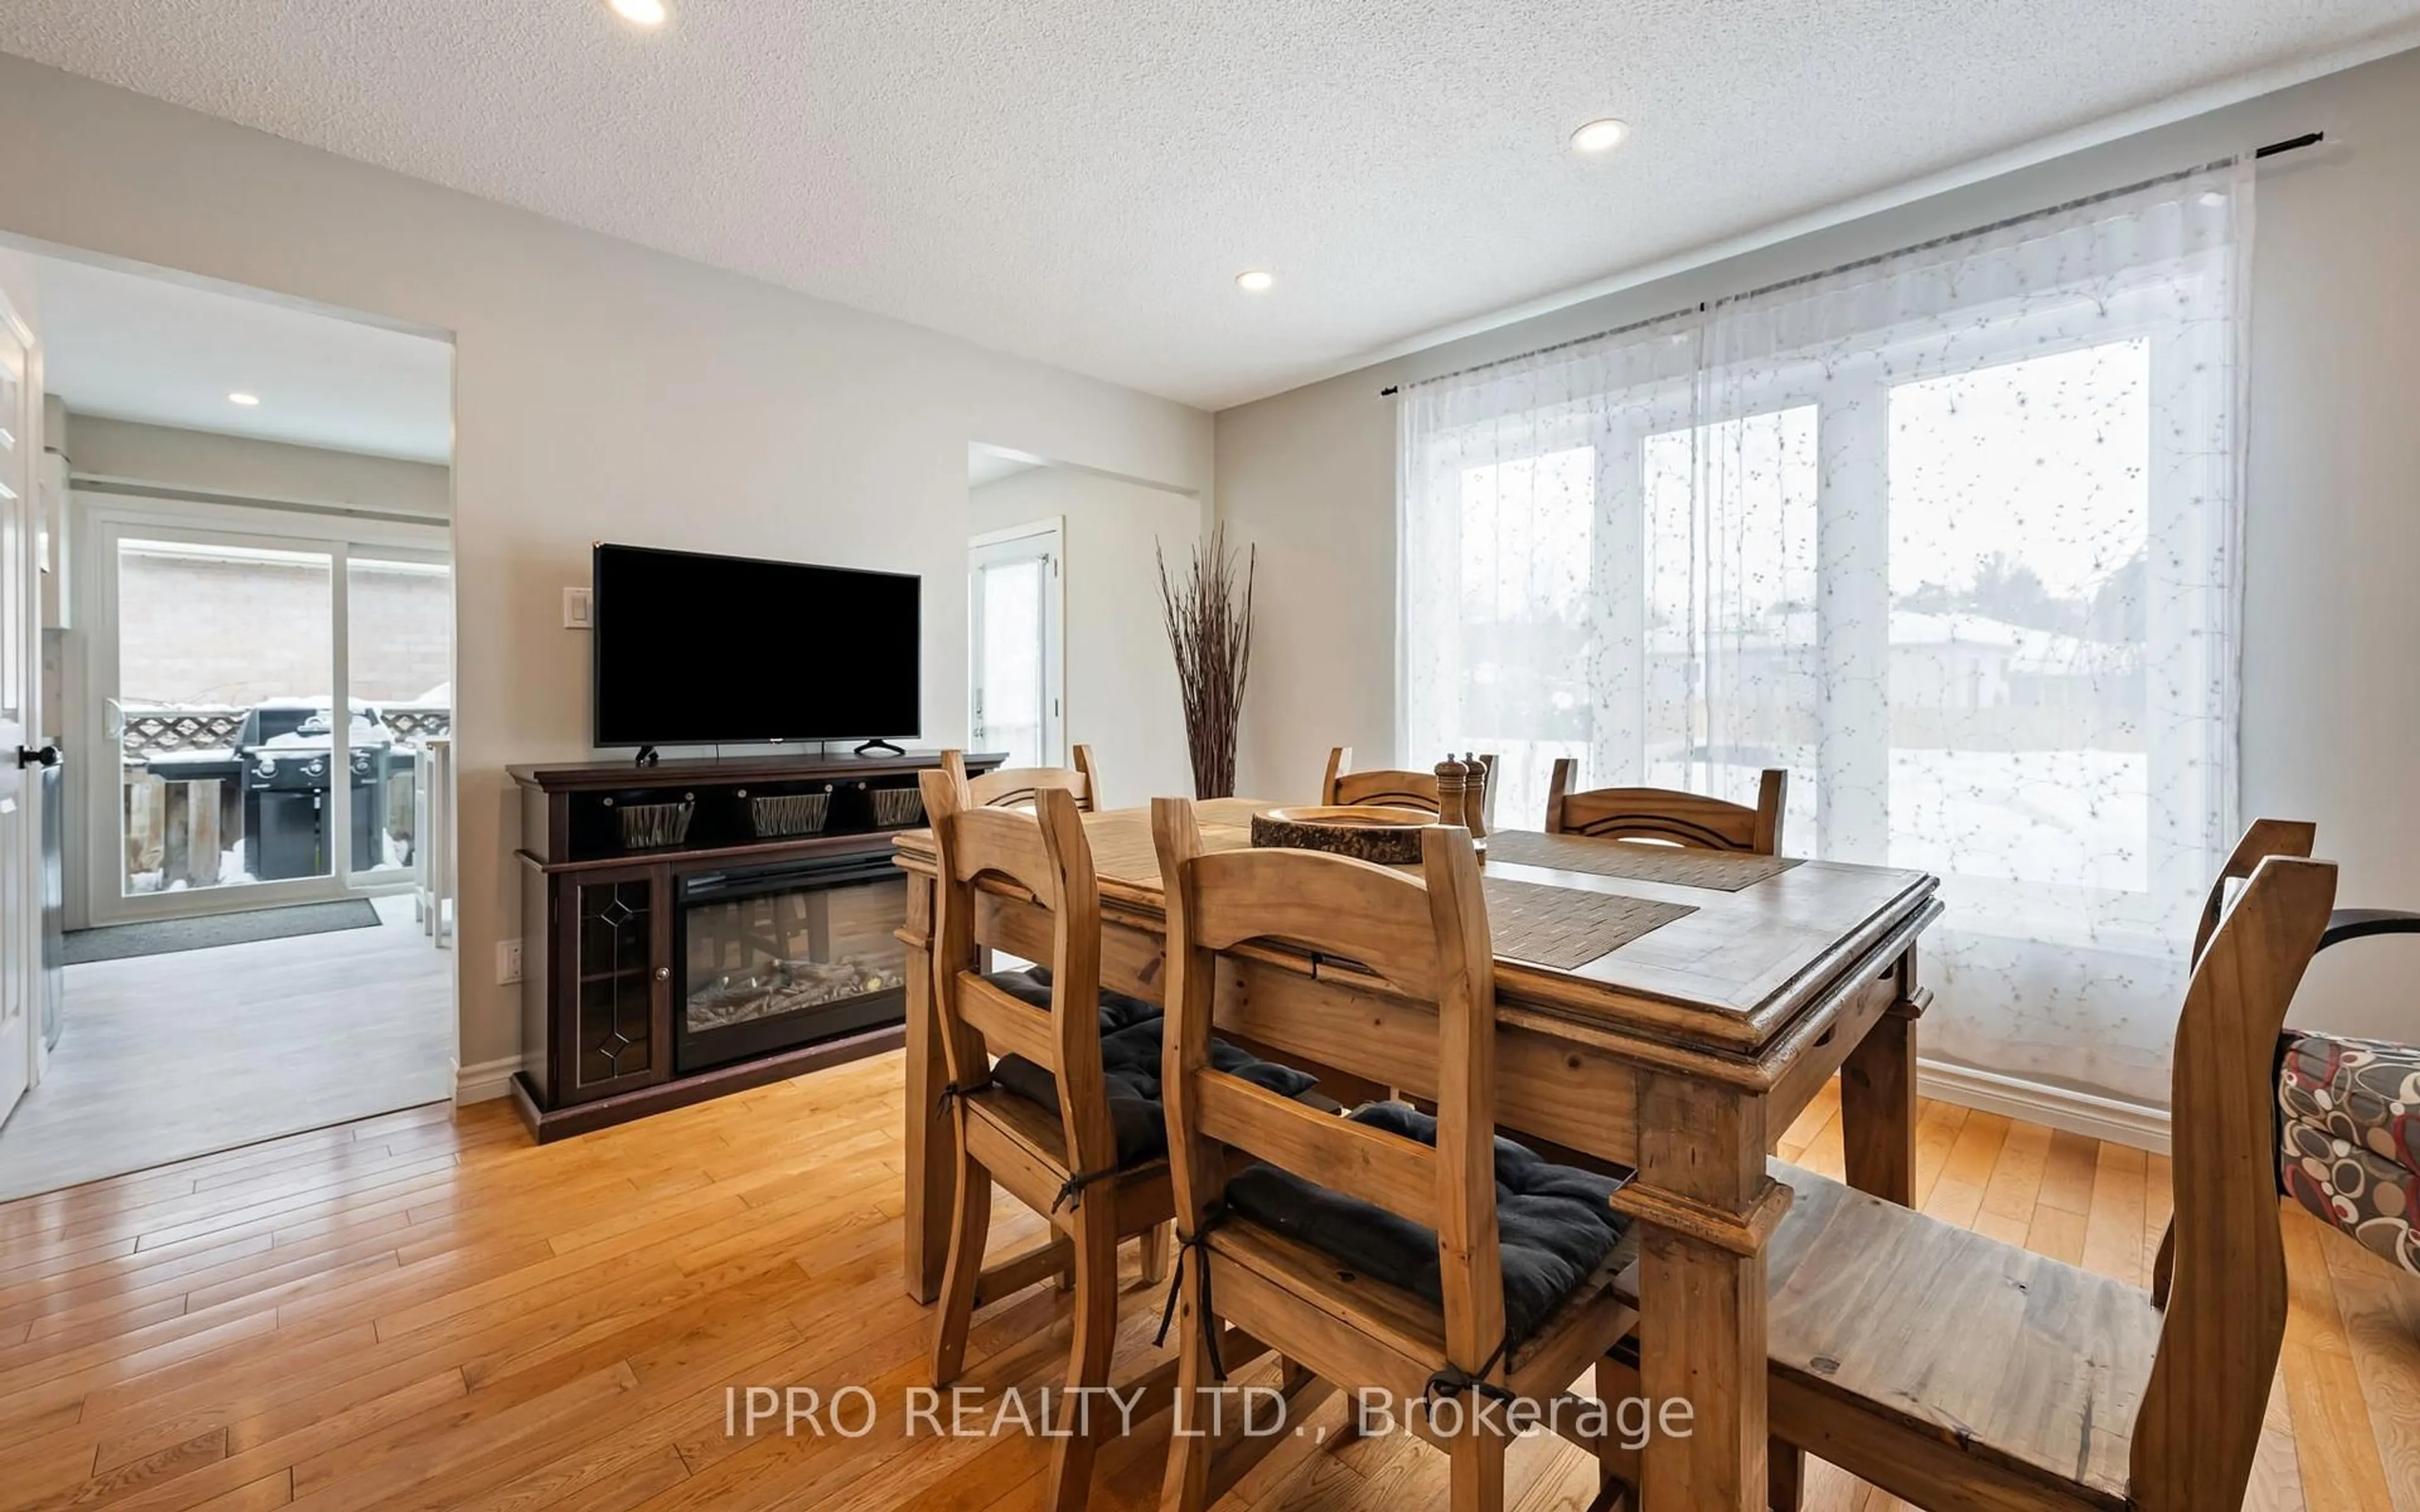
(1365, 831)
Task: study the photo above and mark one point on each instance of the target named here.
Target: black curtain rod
(2292, 144)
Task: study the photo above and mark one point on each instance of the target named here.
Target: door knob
(663, 973)
(47, 756)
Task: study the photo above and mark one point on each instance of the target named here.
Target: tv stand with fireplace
(699, 926)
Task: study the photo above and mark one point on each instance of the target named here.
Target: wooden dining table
(1681, 1054)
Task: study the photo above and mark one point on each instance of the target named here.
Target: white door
(1015, 618)
(19, 915)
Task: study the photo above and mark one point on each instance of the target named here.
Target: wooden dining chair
(1018, 788)
(1958, 1371)
(2262, 839)
(1389, 788)
(1014, 787)
(1667, 814)
(1366, 1250)
(1040, 1123)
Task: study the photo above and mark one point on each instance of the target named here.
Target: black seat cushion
(1033, 985)
(1130, 1046)
(1554, 1223)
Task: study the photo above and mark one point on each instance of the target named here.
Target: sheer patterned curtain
(1951, 535)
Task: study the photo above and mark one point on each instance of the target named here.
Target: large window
(1948, 535)
(1525, 528)
(1731, 590)
(2020, 520)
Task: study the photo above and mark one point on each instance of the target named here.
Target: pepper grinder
(1462, 790)
(1474, 799)
(1451, 780)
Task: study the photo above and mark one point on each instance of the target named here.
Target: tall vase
(1209, 614)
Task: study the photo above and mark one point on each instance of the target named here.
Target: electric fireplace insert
(786, 954)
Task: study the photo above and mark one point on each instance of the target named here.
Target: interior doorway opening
(1067, 641)
(246, 661)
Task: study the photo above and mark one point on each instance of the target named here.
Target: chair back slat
(1044, 853)
(1425, 936)
(2202, 1412)
(1004, 843)
(1374, 916)
(1390, 787)
(1009, 1025)
(1685, 819)
(1014, 787)
(1369, 1164)
(1386, 789)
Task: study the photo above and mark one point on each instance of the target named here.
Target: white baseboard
(485, 1082)
(2060, 1108)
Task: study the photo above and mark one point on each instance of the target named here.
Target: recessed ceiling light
(639, 12)
(1255, 280)
(247, 400)
(1601, 136)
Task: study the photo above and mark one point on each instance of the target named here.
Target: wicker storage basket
(648, 826)
(897, 808)
(794, 813)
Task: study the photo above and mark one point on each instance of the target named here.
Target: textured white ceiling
(130, 347)
(1079, 181)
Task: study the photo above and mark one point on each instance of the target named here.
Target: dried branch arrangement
(1210, 628)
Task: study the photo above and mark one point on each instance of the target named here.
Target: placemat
(1562, 927)
(1723, 870)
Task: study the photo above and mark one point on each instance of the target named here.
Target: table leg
(932, 1137)
(1702, 1340)
(1706, 1206)
(1878, 1098)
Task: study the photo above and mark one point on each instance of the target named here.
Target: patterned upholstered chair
(2349, 1119)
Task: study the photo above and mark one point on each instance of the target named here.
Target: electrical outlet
(575, 609)
(509, 962)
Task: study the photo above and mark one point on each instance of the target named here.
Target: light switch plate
(575, 609)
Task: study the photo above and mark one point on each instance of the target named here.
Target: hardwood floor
(166, 1056)
(424, 1310)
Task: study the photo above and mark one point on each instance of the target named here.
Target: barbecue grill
(286, 752)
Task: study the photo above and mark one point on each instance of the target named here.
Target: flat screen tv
(698, 650)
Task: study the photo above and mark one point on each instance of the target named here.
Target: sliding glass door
(259, 704)
(399, 666)
(218, 715)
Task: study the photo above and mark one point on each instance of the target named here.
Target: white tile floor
(165, 1057)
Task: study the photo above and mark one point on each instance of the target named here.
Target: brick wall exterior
(198, 629)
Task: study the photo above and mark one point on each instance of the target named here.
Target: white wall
(206, 463)
(602, 392)
(2332, 711)
(1120, 695)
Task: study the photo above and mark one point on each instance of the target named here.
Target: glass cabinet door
(620, 991)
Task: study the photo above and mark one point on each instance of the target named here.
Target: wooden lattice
(159, 732)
